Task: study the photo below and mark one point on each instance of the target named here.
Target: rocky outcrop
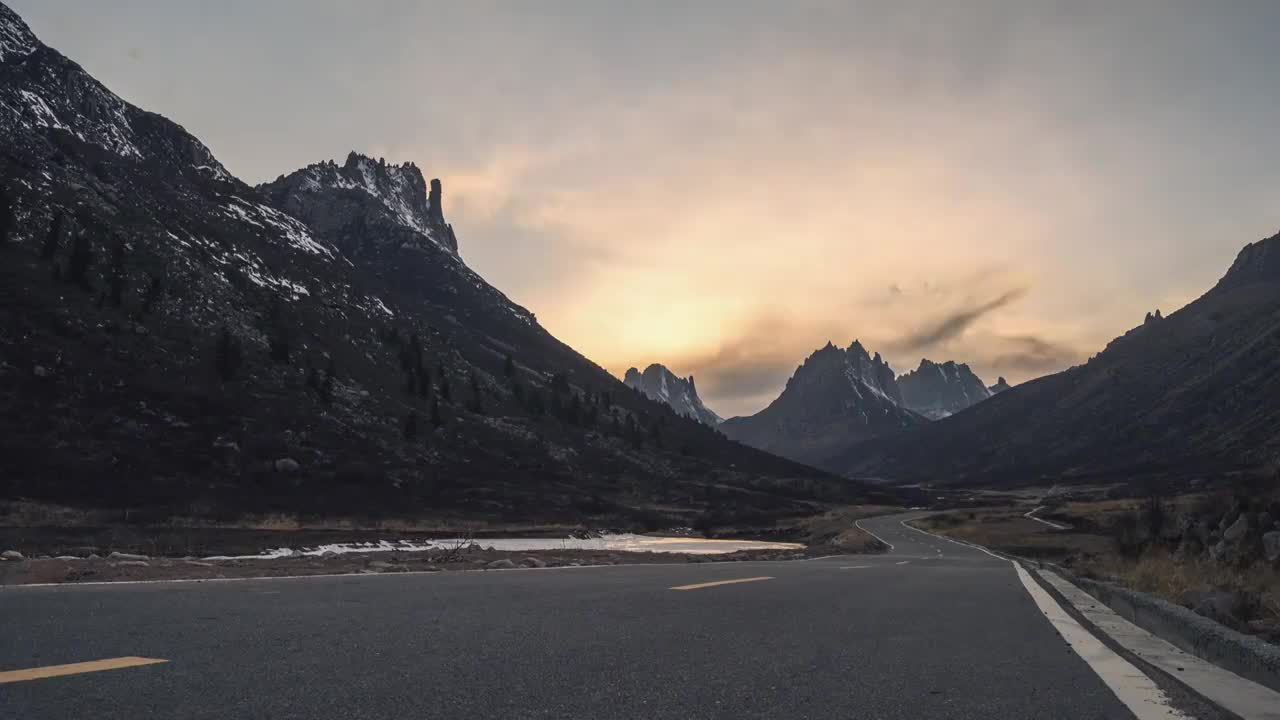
(938, 390)
(365, 203)
(835, 397)
(660, 384)
(1000, 386)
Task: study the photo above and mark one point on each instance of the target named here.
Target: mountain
(660, 384)
(834, 398)
(1192, 394)
(174, 342)
(334, 199)
(939, 390)
(1000, 386)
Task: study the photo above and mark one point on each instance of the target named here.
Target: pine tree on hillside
(227, 355)
(446, 393)
(477, 400)
(53, 238)
(115, 285)
(326, 387)
(278, 336)
(437, 419)
(6, 216)
(155, 290)
(411, 425)
(509, 367)
(80, 260)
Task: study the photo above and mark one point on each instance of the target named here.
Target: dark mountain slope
(834, 398)
(176, 342)
(1195, 393)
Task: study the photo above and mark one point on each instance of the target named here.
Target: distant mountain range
(660, 384)
(1195, 394)
(177, 342)
(940, 390)
(836, 396)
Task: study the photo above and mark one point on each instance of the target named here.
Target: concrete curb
(1246, 656)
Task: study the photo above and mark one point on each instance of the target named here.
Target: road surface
(930, 629)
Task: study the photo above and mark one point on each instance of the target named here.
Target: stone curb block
(1247, 656)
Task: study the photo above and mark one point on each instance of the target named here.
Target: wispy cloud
(952, 324)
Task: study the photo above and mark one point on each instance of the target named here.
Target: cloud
(953, 324)
(1032, 355)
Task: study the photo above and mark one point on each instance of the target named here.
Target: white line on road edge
(1132, 686)
(1030, 515)
(958, 542)
(854, 567)
(1240, 696)
(858, 524)
(904, 562)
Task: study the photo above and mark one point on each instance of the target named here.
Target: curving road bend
(930, 629)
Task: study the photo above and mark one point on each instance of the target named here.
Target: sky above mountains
(724, 188)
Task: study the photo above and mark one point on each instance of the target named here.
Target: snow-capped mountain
(659, 383)
(42, 89)
(174, 340)
(836, 396)
(937, 390)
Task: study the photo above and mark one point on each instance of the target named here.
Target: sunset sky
(725, 188)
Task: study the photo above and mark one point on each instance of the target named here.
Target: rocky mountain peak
(363, 194)
(16, 39)
(937, 390)
(834, 396)
(1000, 386)
(52, 96)
(1256, 262)
(660, 384)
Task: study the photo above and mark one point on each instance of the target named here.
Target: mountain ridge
(658, 383)
(177, 342)
(1191, 394)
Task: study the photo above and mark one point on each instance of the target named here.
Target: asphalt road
(931, 629)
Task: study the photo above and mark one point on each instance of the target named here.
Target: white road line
(904, 562)
(1137, 691)
(957, 542)
(1238, 695)
(1030, 515)
(858, 524)
(854, 567)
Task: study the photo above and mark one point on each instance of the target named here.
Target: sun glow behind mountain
(724, 188)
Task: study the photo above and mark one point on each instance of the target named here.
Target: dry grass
(1006, 530)
(1158, 573)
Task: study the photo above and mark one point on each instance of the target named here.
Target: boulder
(1232, 608)
(1238, 529)
(134, 563)
(534, 562)
(12, 555)
(503, 564)
(287, 465)
(1271, 545)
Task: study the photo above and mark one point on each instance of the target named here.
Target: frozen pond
(622, 543)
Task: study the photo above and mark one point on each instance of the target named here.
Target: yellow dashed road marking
(49, 671)
(699, 586)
